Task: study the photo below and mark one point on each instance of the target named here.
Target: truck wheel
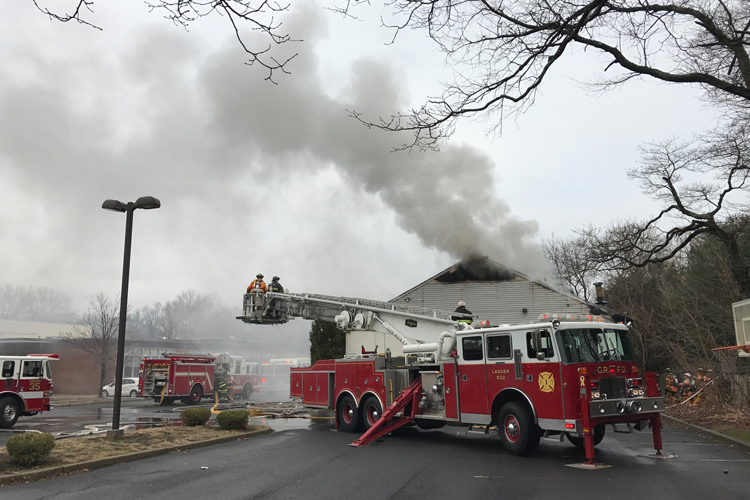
(347, 414)
(247, 390)
(517, 429)
(167, 401)
(371, 412)
(196, 394)
(8, 413)
(578, 442)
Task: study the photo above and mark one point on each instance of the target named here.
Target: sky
(278, 178)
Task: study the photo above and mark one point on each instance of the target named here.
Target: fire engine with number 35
(25, 386)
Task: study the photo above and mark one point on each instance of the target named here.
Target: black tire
(196, 394)
(371, 411)
(518, 432)
(429, 424)
(578, 442)
(133, 393)
(347, 414)
(247, 391)
(9, 412)
(167, 401)
(105, 394)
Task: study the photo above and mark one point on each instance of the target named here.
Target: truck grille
(613, 387)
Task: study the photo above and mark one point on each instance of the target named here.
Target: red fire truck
(564, 375)
(186, 377)
(246, 375)
(25, 387)
(190, 378)
(275, 373)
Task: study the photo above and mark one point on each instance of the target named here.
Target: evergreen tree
(326, 341)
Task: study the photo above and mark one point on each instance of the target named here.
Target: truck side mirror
(536, 344)
(536, 340)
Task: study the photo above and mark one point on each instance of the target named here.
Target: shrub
(195, 416)
(29, 448)
(232, 420)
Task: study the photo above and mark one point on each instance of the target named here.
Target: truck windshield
(584, 345)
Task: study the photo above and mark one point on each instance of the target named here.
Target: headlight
(633, 406)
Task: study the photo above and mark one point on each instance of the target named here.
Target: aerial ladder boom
(372, 327)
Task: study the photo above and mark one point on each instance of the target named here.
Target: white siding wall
(498, 302)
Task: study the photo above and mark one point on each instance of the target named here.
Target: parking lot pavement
(316, 463)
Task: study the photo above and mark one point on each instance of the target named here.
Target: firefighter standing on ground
(462, 315)
(222, 389)
(670, 386)
(687, 387)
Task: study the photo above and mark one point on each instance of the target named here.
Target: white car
(129, 388)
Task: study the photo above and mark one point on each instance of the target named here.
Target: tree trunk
(738, 268)
(102, 377)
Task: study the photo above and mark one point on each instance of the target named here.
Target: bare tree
(703, 189)
(507, 48)
(574, 263)
(242, 16)
(95, 332)
(27, 303)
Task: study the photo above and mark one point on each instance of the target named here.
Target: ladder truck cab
(563, 375)
(25, 386)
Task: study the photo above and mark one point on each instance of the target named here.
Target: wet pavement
(141, 413)
(411, 463)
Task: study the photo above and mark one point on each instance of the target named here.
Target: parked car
(129, 388)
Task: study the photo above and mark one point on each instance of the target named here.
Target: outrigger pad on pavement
(660, 456)
(588, 466)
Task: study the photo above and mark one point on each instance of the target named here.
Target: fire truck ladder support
(386, 423)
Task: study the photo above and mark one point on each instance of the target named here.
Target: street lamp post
(146, 203)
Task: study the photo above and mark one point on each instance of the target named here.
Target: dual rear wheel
(352, 418)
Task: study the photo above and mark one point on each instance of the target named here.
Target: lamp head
(115, 206)
(147, 203)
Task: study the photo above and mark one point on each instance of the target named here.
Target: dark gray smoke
(165, 117)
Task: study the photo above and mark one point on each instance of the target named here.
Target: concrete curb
(722, 438)
(35, 475)
(94, 400)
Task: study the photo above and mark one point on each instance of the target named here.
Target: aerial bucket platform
(265, 308)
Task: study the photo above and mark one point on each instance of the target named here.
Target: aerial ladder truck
(560, 376)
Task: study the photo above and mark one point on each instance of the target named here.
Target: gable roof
(485, 270)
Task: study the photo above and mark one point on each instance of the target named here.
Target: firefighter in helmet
(257, 284)
(670, 387)
(686, 387)
(273, 311)
(222, 388)
(700, 383)
(275, 286)
(461, 314)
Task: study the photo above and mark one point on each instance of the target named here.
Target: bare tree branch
(509, 47)
(95, 332)
(244, 16)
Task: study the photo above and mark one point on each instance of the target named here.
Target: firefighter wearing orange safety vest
(670, 386)
(257, 284)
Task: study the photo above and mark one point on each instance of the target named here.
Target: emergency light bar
(571, 317)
